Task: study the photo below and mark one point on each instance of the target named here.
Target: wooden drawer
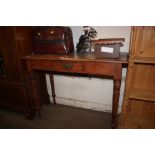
(94, 68)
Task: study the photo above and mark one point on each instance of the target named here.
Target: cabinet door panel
(145, 42)
(15, 42)
(13, 95)
(8, 49)
(140, 114)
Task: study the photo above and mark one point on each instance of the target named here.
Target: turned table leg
(36, 94)
(53, 88)
(116, 94)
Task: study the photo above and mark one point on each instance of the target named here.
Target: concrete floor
(57, 117)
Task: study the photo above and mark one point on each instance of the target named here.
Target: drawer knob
(52, 32)
(67, 66)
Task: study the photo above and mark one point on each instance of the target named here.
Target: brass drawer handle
(67, 66)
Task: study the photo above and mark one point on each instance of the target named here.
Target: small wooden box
(108, 48)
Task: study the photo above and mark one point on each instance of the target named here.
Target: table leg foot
(114, 125)
(38, 114)
(30, 115)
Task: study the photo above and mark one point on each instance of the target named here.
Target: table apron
(84, 67)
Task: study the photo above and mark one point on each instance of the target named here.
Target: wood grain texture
(123, 58)
(15, 86)
(139, 97)
(73, 64)
(141, 94)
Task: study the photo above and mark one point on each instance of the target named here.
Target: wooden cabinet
(15, 89)
(139, 98)
(1, 65)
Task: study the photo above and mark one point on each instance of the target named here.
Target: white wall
(90, 93)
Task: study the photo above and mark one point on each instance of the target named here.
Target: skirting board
(84, 104)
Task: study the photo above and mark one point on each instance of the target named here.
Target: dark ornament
(84, 44)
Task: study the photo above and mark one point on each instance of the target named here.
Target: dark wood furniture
(139, 98)
(15, 89)
(90, 65)
(52, 39)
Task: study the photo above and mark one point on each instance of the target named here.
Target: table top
(123, 58)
